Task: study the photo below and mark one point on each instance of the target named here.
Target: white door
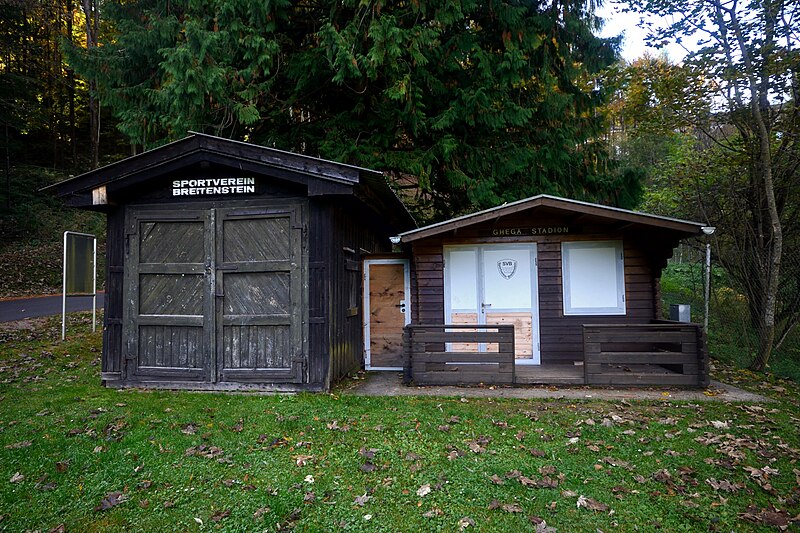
(495, 284)
(387, 309)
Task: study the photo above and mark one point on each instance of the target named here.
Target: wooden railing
(662, 353)
(428, 361)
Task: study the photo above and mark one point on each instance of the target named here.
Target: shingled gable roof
(682, 228)
(321, 176)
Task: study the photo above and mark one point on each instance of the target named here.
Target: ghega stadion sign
(210, 186)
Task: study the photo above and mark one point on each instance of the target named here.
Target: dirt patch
(27, 324)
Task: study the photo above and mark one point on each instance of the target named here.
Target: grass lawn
(77, 457)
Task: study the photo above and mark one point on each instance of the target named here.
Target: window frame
(566, 283)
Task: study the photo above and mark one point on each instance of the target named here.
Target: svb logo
(507, 267)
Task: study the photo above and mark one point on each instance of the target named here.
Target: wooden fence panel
(660, 353)
(427, 361)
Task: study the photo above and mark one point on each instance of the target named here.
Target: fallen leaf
(475, 447)
(16, 478)
(591, 504)
(662, 476)
(466, 521)
(433, 512)
(540, 526)
(334, 426)
(302, 460)
(18, 445)
(724, 485)
(361, 500)
(367, 453)
(424, 490)
(512, 508)
(219, 515)
(112, 499)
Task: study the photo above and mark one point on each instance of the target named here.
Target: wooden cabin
(543, 290)
(234, 266)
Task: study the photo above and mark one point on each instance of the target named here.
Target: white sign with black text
(211, 186)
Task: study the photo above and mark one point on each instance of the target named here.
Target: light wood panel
(523, 331)
(386, 320)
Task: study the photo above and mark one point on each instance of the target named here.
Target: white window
(593, 278)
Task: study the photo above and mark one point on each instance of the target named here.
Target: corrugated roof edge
(501, 210)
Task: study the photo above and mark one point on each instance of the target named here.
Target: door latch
(402, 306)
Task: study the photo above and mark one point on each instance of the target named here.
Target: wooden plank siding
(561, 336)
(340, 237)
(111, 365)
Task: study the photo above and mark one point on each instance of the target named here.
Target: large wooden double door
(215, 295)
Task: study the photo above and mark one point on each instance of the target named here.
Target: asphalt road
(22, 308)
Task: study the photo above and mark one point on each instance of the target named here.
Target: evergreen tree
(481, 102)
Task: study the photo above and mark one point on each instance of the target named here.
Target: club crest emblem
(507, 267)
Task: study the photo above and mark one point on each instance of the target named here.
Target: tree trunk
(90, 10)
(73, 136)
(771, 271)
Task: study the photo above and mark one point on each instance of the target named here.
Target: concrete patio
(390, 384)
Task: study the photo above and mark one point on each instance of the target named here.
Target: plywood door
(259, 291)
(386, 286)
(169, 311)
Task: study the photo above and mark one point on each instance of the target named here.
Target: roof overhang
(679, 228)
(320, 176)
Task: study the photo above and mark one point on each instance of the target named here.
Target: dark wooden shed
(235, 266)
(548, 290)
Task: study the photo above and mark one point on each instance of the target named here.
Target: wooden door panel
(168, 310)
(178, 347)
(254, 240)
(257, 293)
(171, 242)
(523, 331)
(260, 274)
(171, 294)
(459, 319)
(255, 347)
(386, 318)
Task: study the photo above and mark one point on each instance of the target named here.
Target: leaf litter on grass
(543, 465)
